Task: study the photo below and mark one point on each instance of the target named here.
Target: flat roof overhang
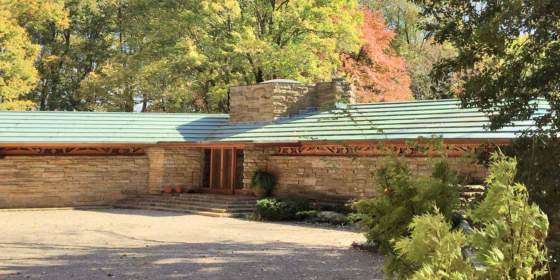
(500, 141)
(454, 147)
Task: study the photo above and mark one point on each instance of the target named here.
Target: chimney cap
(280, 81)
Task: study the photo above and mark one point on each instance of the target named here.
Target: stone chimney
(272, 99)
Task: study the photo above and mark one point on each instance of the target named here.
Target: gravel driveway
(138, 244)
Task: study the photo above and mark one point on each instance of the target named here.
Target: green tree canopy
(508, 50)
(188, 53)
(17, 52)
(176, 56)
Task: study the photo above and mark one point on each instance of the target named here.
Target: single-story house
(297, 131)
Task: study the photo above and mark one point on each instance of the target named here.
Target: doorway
(223, 171)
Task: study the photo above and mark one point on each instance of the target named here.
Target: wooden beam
(450, 148)
(222, 168)
(233, 161)
(72, 151)
(211, 169)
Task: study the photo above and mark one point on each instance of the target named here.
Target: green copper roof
(371, 121)
(96, 127)
(396, 120)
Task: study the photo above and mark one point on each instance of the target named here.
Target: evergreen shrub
(401, 196)
(507, 240)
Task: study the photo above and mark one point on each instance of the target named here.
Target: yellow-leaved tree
(17, 52)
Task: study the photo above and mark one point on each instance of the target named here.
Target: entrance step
(193, 203)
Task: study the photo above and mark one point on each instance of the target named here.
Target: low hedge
(280, 209)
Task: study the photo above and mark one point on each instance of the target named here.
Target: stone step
(200, 198)
(195, 207)
(177, 210)
(205, 196)
(196, 202)
(199, 202)
(202, 204)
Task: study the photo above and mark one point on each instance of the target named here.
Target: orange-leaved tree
(378, 73)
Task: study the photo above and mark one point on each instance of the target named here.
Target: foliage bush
(538, 166)
(401, 197)
(435, 249)
(263, 180)
(280, 209)
(507, 241)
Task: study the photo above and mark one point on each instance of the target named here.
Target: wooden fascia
(137, 149)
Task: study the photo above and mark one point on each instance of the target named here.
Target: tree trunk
(144, 103)
(259, 76)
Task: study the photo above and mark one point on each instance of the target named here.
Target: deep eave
(451, 147)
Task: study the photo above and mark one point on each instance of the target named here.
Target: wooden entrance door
(221, 170)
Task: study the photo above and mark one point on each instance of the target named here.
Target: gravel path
(138, 244)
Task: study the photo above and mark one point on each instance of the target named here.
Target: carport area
(140, 244)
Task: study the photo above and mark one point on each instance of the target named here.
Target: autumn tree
(17, 51)
(69, 53)
(182, 56)
(186, 54)
(378, 73)
(417, 46)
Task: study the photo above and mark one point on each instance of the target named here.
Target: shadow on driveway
(198, 261)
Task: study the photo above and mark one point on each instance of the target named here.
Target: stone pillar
(251, 104)
(339, 90)
(156, 157)
(265, 102)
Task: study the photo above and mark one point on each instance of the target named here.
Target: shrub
(401, 197)
(538, 168)
(435, 249)
(507, 241)
(263, 181)
(275, 209)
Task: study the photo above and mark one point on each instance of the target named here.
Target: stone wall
(335, 176)
(254, 159)
(251, 103)
(57, 181)
(267, 101)
(171, 167)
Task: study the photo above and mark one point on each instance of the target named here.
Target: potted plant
(169, 190)
(262, 183)
(178, 189)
